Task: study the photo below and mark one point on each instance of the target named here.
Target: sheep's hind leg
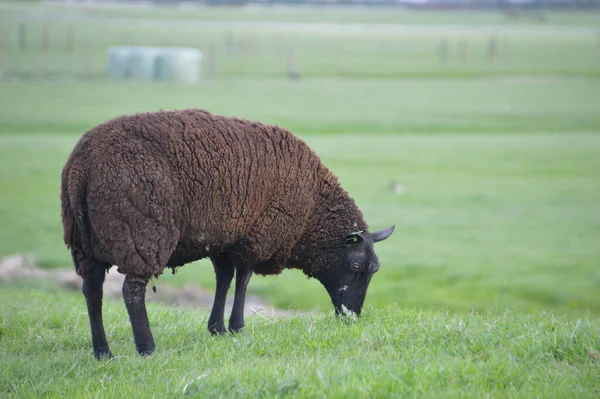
(93, 281)
(134, 294)
(242, 278)
(224, 274)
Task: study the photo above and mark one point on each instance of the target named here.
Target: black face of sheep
(348, 281)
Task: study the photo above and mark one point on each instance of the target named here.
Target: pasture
(489, 286)
(389, 352)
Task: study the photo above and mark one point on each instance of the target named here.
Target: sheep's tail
(74, 212)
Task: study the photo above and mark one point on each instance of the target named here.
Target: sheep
(154, 190)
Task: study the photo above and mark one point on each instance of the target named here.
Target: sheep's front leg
(92, 290)
(236, 321)
(224, 274)
(134, 294)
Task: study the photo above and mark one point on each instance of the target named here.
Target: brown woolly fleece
(163, 189)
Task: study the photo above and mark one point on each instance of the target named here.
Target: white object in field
(154, 63)
(143, 62)
(397, 188)
(179, 64)
(118, 62)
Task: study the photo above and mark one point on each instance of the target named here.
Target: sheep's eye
(356, 266)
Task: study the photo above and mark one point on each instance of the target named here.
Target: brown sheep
(163, 189)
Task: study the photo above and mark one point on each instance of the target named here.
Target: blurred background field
(476, 133)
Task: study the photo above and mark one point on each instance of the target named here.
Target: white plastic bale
(155, 63)
(118, 62)
(179, 64)
(163, 69)
(143, 62)
(186, 65)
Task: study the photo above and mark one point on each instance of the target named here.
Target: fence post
(22, 36)
(343, 58)
(213, 65)
(443, 51)
(464, 50)
(43, 67)
(293, 71)
(70, 39)
(278, 45)
(2, 73)
(416, 52)
(253, 44)
(492, 48)
(46, 38)
(229, 44)
(89, 62)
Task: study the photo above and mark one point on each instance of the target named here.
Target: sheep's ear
(382, 234)
(354, 238)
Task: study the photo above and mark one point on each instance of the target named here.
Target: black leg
(224, 273)
(134, 294)
(92, 290)
(242, 277)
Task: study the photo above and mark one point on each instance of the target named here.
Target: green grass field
(251, 43)
(487, 220)
(498, 229)
(389, 352)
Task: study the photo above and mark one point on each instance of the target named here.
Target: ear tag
(353, 238)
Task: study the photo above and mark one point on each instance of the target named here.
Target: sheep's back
(211, 181)
(247, 181)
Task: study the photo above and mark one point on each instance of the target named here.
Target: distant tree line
(414, 4)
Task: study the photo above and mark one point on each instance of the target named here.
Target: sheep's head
(348, 280)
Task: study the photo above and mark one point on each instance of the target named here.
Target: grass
(488, 287)
(487, 220)
(46, 353)
(499, 160)
(322, 106)
(251, 44)
(258, 53)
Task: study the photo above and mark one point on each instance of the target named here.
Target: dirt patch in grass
(22, 266)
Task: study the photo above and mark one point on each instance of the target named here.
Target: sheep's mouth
(345, 309)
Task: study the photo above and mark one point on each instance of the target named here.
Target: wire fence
(49, 49)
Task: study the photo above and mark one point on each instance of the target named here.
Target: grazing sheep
(163, 189)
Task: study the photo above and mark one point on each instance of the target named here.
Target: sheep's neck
(335, 215)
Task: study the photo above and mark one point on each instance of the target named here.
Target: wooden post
(243, 44)
(70, 39)
(213, 65)
(278, 45)
(22, 36)
(254, 45)
(464, 50)
(229, 44)
(416, 52)
(443, 51)
(241, 52)
(293, 71)
(124, 39)
(43, 67)
(46, 38)
(89, 62)
(343, 57)
(492, 48)
(2, 72)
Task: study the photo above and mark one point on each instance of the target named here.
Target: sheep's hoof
(103, 354)
(235, 329)
(217, 329)
(145, 351)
